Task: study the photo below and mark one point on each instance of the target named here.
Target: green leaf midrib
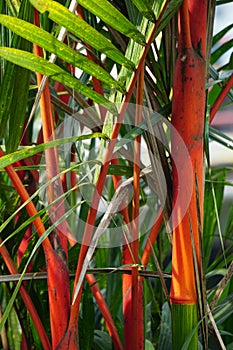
(29, 151)
(50, 43)
(40, 65)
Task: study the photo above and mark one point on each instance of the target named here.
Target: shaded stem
(105, 312)
(152, 238)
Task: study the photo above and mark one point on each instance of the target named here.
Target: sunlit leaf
(81, 29)
(40, 65)
(109, 14)
(30, 151)
(50, 43)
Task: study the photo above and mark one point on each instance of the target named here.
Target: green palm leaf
(14, 92)
(221, 51)
(219, 36)
(109, 14)
(40, 65)
(51, 44)
(81, 29)
(27, 152)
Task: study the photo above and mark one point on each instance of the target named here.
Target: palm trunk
(188, 111)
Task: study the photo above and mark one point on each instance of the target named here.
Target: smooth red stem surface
(221, 98)
(188, 113)
(185, 34)
(198, 24)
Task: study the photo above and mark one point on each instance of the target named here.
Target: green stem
(184, 326)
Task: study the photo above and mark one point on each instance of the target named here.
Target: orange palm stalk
(56, 259)
(188, 110)
(188, 119)
(137, 323)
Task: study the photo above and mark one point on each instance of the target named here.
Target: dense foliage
(104, 144)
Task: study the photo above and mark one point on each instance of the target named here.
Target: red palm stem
(221, 98)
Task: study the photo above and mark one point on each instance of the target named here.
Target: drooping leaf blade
(81, 29)
(35, 248)
(139, 129)
(30, 151)
(109, 14)
(221, 34)
(222, 2)
(221, 138)
(40, 65)
(50, 43)
(221, 51)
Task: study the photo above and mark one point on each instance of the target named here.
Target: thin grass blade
(37, 245)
